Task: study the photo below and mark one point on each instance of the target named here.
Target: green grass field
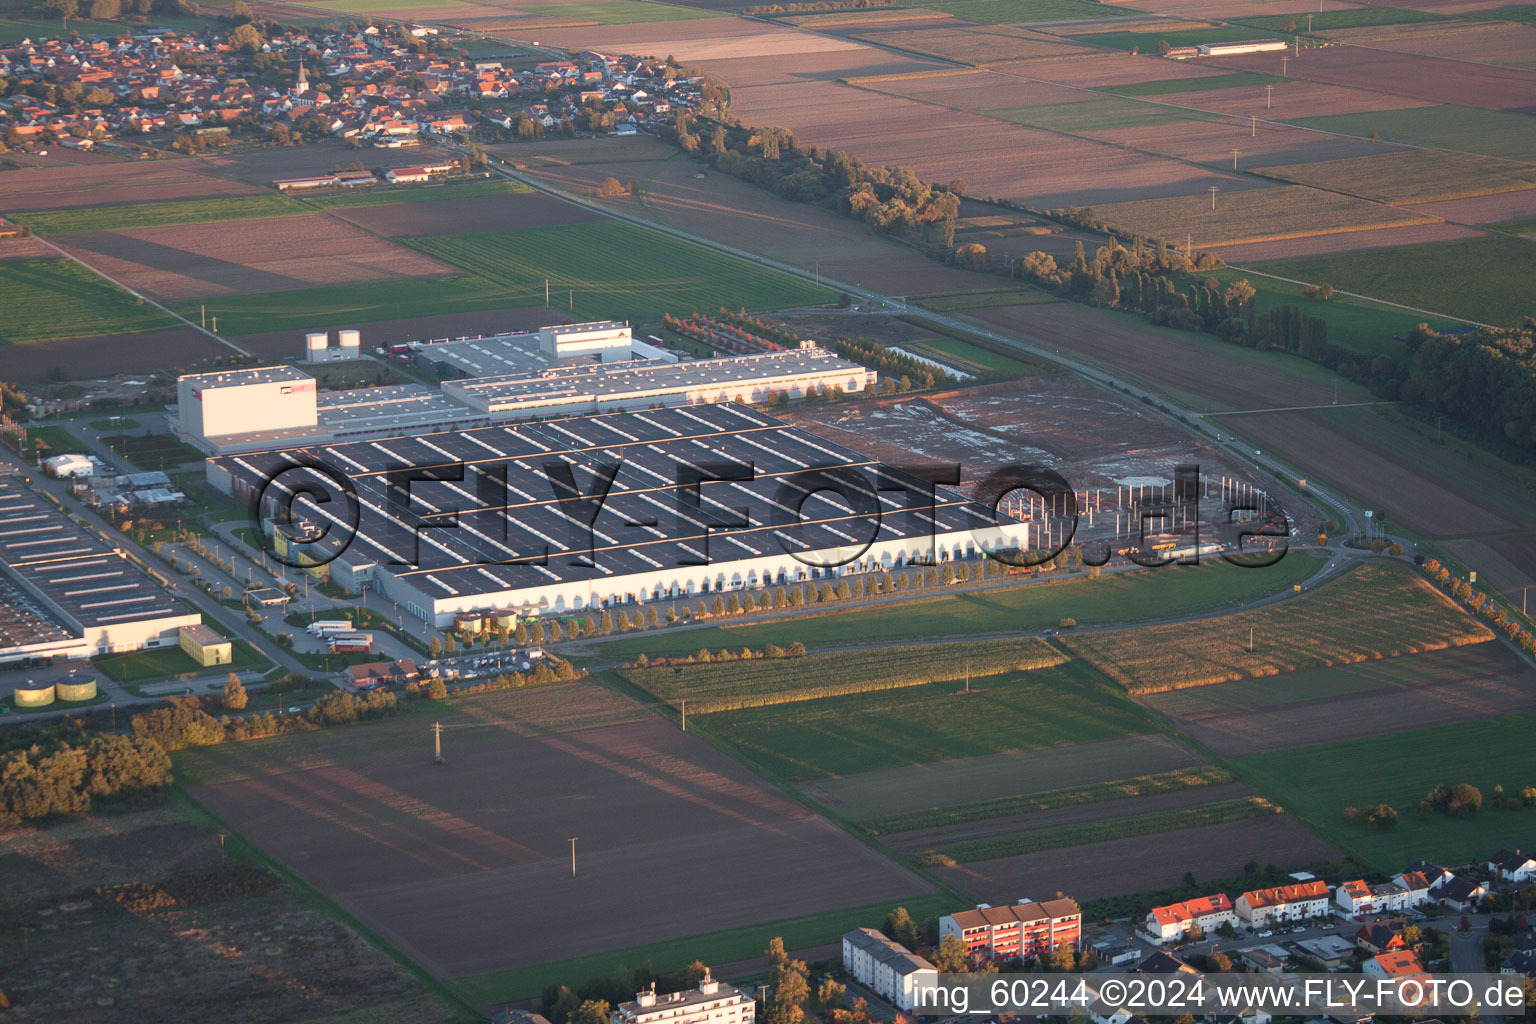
(1147, 41)
(378, 6)
(1071, 796)
(1317, 783)
(14, 30)
(143, 215)
(48, 299)
(1014, 12)
(723, 947)
(1217, 812)
(1360, 17)
(617, 271)
(761, 682)
(170, 662)
(391, 195)
(620, 12)
(1097, 115)
(964, 353)
(864, 732)
(353, 304)
(1237, 80)
(1371, 611)
(1482, 279)
(1122, 597)
(1468, 129)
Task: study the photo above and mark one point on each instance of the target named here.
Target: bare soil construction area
(1393, 695)
(920, 786)
(194, 261)
(1143, 863)
(459, 854)
(131, 917)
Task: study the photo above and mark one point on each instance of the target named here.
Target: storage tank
(351, 343)
(315, 343)
(76, 689)
(34, 695)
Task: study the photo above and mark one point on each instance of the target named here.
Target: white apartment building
(712, 1002)
(885, 967)
(1263, 907)
(1176, 920)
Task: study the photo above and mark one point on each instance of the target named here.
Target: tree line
(65, 769)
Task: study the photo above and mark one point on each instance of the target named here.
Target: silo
(76, 689)
(351, 344)
(314, 345)
(34, 695)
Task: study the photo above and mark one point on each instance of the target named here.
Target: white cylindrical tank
(351, 343)
(315, 343)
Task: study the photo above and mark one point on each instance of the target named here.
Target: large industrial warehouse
(502, 535)
(64, 592)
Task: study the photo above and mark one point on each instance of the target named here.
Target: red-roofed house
(1283, 903)
(1177, 920)
(1402, 963)
(1027, 929)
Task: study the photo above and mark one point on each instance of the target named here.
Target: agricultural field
(1096, 115)
(968, 357)
(1356, 241)
(1325, 21)
(1466, 129)
(63, 188)
(49, 299)
(455, 851)
(919, 724)
(763, 682)
(1483, 279)
(1236, 80)
(1369, 612)
(616, 12)
(1491, 42)
(1317, 783)
(968, 44)
(199, 937)
(1147, 42)
(1348, 702)
(1013, 12)
(142, 215)
(380, 195)
(1252, 215)
(618, 271)
(1112, 598)
(1411, 176)
(457, 216)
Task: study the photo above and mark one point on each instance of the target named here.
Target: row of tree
(63, 769)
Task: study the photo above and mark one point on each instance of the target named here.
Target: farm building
(64, 592)
(886, 967)
(1026, 929)
(710, 1001)
(407, 175)
(1235, 49)
(796, 508)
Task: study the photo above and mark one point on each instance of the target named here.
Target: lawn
(1147, 41)
(1218, 812)
(353, 305)
(170, 662)
(1070, 796)
(612, 270)
(915, 725)
(1468, 129)
(49, 299)
(1371, 611)
(1121, 597)
(1482, 279)
(153, 451)
(1251, 215)
(1360, 17)
(1237, 80)
(1411, 176)
(619, 12)
(1097, 115)
(390, 195)
(1008, 12)
(732, 685)
(969, 358)
(1317, 783)
(722, 947)
(142, 215)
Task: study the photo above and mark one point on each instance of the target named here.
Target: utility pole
(221, 847)
(1213, 197)
(685, 714)
(204, 308)
(437, 742)
(1234, 159)
(546, 293)
(1269, 96)
(1283, 62)
(573, 300)
(573, 856)
(1253, 131)
(1309, 23)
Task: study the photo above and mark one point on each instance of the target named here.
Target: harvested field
(975, 89)
(24, 249)
(995, 776)
(456, 852)
(1101, 70)
(1370, 612)
(1105, 114)
(1119, 866)
(196, 261)
(1349, 241)
(1327, 22)
(1467, 129)
(966, 43)
(1492, 209)
(1233, 8)
(1007, 12)
(1327, 705)
(196, 939)
(707, 41)
(1218, 83)
(109, 354)
(1483, 41)
(916, 724)
(557, 152)
(1433, 490)
(1288, 98)
(823, 20)
(1505, 563)
(1435, 79)
(460, 216)
(1255, 215)
(1212, 140)
(1105, 811)
(49, 299)
(139, 215)
(57, 188)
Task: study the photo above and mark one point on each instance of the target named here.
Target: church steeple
(302, 85)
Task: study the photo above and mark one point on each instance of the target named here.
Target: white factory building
(570, 369)
(502, 536)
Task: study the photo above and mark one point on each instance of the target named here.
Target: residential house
(1462, 892)
(1512, 866)
(1382, 936)
(1263, 907)
(1434, 873)
(1359, 897)
(1177, 921)
(1026, 929)
(1164, 963)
